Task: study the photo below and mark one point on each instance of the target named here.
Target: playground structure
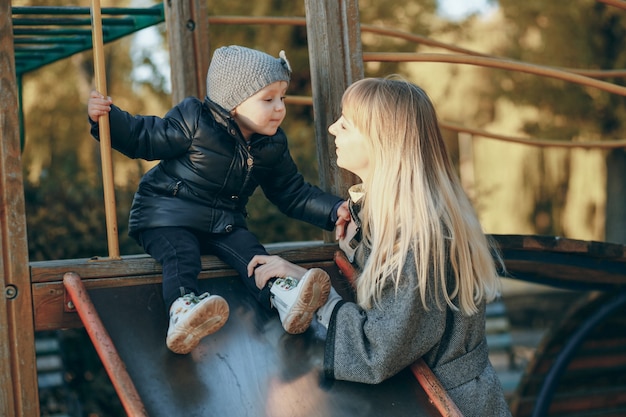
(45, 295)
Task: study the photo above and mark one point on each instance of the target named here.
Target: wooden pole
(105, 134)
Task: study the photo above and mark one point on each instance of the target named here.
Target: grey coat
(372, 345)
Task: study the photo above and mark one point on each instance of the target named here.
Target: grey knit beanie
(237, 73)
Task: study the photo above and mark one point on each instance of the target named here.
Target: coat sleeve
(286, 188)
(152, 137)
(372, 345)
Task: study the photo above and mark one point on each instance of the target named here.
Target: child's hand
(343, 218)
(98, 105)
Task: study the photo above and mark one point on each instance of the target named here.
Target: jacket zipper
(249, 165)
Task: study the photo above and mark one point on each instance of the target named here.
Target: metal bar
(132, 21)
(104, 346)
(554, 143)
(435, 391)
(24, 52)
(499, 63)
(46, 40)
(71, 10)
(41, 31)
(69, 21)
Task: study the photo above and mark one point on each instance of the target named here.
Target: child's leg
(178, 251)
(295, 299)
(192, 315)
(237, 249)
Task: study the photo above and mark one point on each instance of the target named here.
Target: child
(425, 270)
(214, 154)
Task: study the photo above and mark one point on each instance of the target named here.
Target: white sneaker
(192, 318)
(297, 300)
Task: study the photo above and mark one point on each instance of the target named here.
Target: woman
(425, 269)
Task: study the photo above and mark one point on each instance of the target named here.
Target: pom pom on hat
(237, 73)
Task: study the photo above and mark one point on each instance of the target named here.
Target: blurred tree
(582, 34)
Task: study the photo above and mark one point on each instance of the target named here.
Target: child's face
(263, 112)
(351, 147)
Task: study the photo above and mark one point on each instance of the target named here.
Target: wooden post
(18, 372)
(336, 60)
(187, 24)
(105, 135)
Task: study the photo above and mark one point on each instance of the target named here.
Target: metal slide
(250, 367)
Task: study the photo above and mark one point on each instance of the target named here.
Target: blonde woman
(425, 269)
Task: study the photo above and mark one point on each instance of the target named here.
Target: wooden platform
(252, 362)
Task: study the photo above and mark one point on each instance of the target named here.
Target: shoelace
(195, 299)
(287, 283)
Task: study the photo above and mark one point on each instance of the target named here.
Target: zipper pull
(176, 186)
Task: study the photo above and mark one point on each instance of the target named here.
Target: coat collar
(223, 118)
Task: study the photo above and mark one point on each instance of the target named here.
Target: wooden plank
(18, 372)
(594, 249)
(336, 61)
(50, 302)
(188, 38)
(566, 263)
(140, 265)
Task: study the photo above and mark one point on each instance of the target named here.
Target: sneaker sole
(312, 296)
(210, 317)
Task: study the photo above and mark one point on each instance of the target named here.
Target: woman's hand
(266, 267)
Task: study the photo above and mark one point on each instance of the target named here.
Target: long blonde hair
(414, 202)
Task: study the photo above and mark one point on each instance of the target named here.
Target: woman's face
(351, 147)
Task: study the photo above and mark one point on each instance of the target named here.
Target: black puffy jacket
(208, 171)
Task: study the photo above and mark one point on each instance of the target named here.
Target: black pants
(178, 250)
